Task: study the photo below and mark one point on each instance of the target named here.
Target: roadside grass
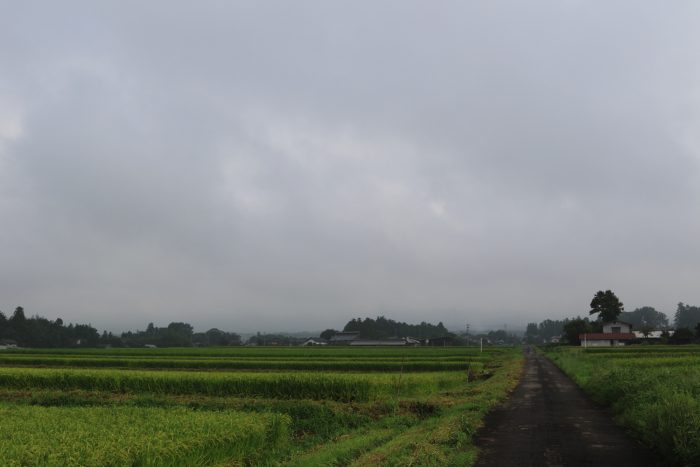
(657, 398)
(448, 439)
(344, 449)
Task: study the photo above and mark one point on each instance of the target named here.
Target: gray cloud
(293, 165)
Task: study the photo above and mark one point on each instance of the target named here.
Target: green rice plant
(338, 404)
(280, 385)
(448, 439)
(272, 352)
(128, 436)
(392, 365)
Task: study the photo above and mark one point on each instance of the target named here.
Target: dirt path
(549, 422)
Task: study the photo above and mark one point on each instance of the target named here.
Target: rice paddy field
(249, 406)
(653, 390)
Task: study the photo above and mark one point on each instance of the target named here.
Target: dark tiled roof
(600, 336)
(345, 336)
(379, 342)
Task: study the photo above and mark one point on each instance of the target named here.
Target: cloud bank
(292, 165)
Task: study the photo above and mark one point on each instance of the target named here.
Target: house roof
(313, 341)
(344, 336)
(618, 322)
(379, 342)
(652, 334)
(605, 336)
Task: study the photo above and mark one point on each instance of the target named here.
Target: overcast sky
(291, 165)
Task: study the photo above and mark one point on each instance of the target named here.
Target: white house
(7, 344)
(615, 333)
(312, 342)
(652, 334)
(617, 327)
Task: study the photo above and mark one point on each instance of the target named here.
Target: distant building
(313, 342)
(402, 342)
(652, 335)
(344, 338)
(441, 341)
(614, 334)
(353, 339)
(8, 344)
(617, 327)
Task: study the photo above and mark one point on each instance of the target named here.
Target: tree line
(178, 334)
(37, 331)
(41, 332)
(607, 307)
(383, 328)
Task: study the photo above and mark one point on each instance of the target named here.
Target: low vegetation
(138, 407)
(653, 390)
(136, 436)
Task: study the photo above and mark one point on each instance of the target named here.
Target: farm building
(353, 339)
(312, 342)
(615, 333)
(617, 327)
(344, 338)
(385, 342)
(440, 341)
(8, 344)
(652, 335)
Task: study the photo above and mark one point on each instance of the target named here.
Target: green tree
(18, 316)
(681, 336)
(645, 316)
(531, 333)
(574, 328)
(550, 328)
(178, 335)
(607, 306)
(216, 336)
(19, 327)
(85, 335)
(686, 316)
(383, 328)
(4, 325)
